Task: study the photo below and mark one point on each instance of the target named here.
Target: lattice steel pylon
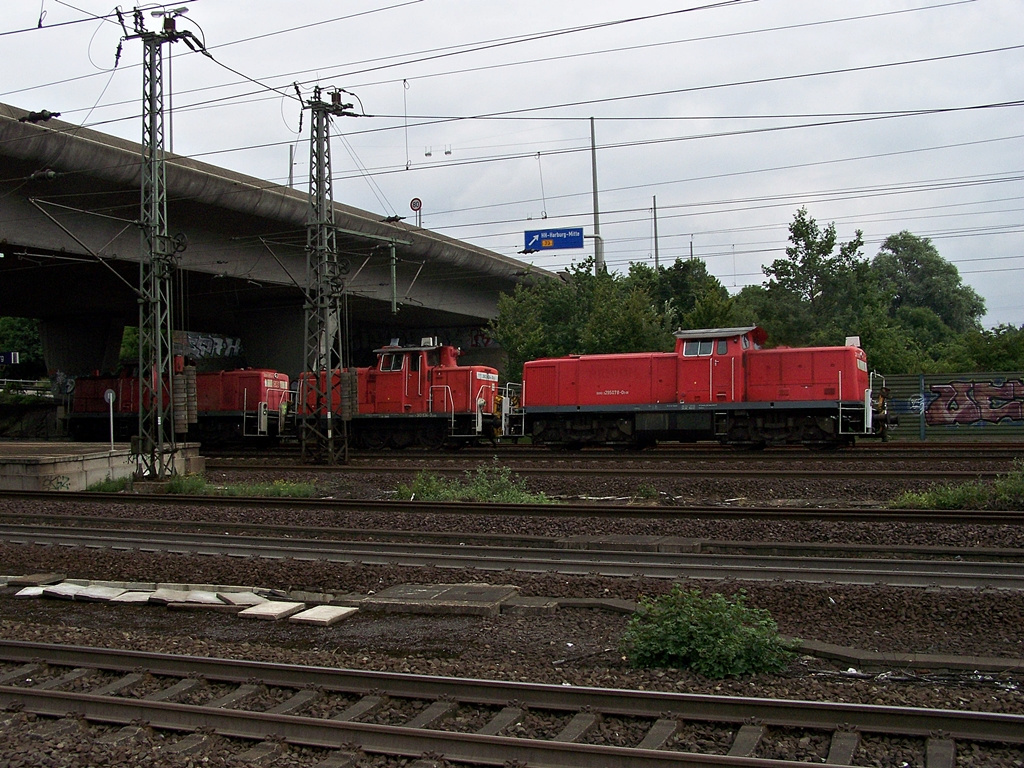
(325, 292)
(155, 445)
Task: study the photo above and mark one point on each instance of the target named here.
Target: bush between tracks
(1005, 492)
(715, 636)
(194, 485)
(496, 484)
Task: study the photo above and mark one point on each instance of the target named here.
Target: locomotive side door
(389, 381)
(723, 373)
(416, 384)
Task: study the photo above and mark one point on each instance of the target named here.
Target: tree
(816, 295)
(998, 349)
(678, 289)
(580, 313)
(811, 270)
(910, 269)
(21, 335)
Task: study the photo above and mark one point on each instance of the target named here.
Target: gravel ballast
(572, 645)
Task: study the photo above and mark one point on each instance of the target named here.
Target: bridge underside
(70, 249)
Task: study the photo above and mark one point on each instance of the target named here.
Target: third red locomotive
(718, 384)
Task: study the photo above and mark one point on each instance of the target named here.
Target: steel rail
(382, 739)
(664, 565)
(891, 452)
(621, 542)
(645, 471)
(591, 510)
(913, 721)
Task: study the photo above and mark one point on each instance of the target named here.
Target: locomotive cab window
(723, 347)
(698, 348)
(391, 362)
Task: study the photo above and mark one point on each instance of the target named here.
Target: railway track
(626, 543)
(886, 452)
(479, 722)
(584, 511)
(670, 562)
(647, 470)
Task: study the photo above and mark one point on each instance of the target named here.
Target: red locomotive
(217, 407)
(718, 384)
(414, 395)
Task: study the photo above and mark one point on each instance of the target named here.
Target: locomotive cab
(420, 395)
(710, 363)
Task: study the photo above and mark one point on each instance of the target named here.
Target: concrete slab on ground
(244, 599)
(207, 597)
(132, 597)
(165, 595)
(272, 610)
(322, 615)
(473, 599)
(97, 594)
(63, 591)
(35, 579)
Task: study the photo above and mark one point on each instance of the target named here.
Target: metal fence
(25, 387)
(958, 406)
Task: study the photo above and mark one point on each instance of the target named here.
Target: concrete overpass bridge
(70, 248)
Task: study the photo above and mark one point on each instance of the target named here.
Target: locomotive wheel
(375, 439)
(575, 445)
(431, 437)
(401, 439)
(758, 446)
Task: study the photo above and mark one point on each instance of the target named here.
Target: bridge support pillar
(78, 345)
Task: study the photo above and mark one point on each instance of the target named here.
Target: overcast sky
(878, 115)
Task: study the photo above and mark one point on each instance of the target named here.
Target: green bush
(196, 485)
(278, 488)
(715, 636)
(188, 485)
(110, 485)
(1005, 492)
(647, 491)
(496, 484)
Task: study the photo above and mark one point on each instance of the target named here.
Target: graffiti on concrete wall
(205, 345)
(482, 339)
(55, 483)
(975, 402)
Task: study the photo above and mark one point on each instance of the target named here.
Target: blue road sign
(8, 358)
(554, 239)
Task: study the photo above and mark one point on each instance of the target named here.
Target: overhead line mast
(155, 445)
(325, 292)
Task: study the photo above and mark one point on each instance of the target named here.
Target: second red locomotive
(416, 395)
(718, 384)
